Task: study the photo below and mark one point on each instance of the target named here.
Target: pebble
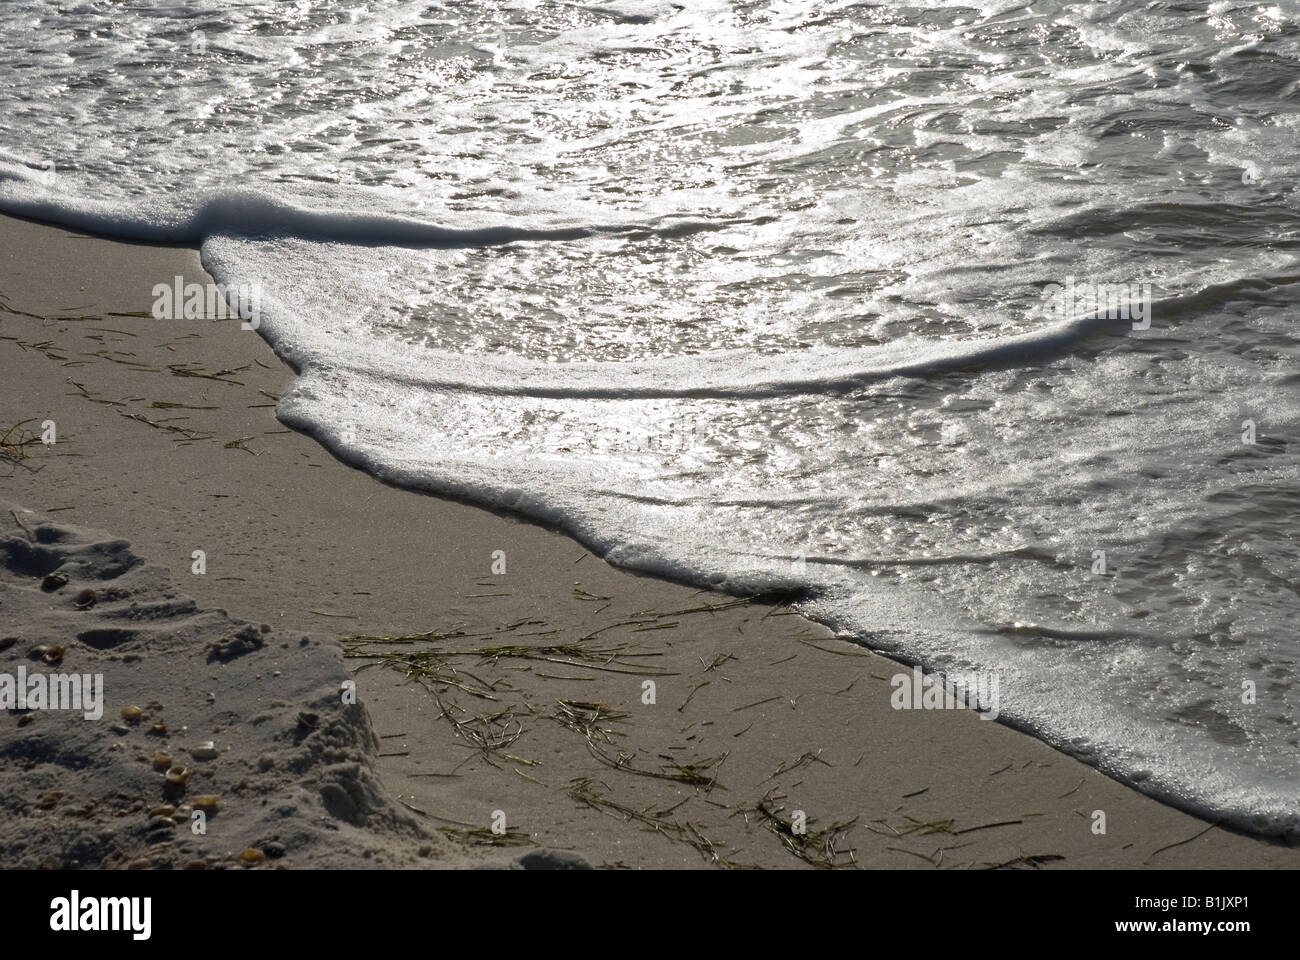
(132, 713)
(205, 751)
(177, 774)
(162, 761)
(252, 856)
(273, 849)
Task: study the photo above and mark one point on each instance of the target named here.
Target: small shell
(204, 751)
(85, 599)
(159, 729)
(162, 761)
(53, 581)
(251, 856)
(206, 802)
(51, 654)
(177, 774)
(132, 713)
(166, 810)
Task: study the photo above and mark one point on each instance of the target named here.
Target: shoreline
(519, 692)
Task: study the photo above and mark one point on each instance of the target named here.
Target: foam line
(723, 374)
(253, 213)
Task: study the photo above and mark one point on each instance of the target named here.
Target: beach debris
(162, 761)
(590, 793)
(245, 641)
(1030, 862)
(827, 848)
(158, 729)
(85, 599)
(587, 719)
(132, 714)
(208, 801)
(177, 775)
(205, 751)
(50, 653)
(53, 581)
(13, 445)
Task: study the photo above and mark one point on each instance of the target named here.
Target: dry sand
(513, 698)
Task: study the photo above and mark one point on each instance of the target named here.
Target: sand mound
(259, 719)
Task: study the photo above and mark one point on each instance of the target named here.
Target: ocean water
(753, 295)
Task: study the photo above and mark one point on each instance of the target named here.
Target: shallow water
(752, 294)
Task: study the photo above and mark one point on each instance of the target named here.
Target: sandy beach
(518, 700)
